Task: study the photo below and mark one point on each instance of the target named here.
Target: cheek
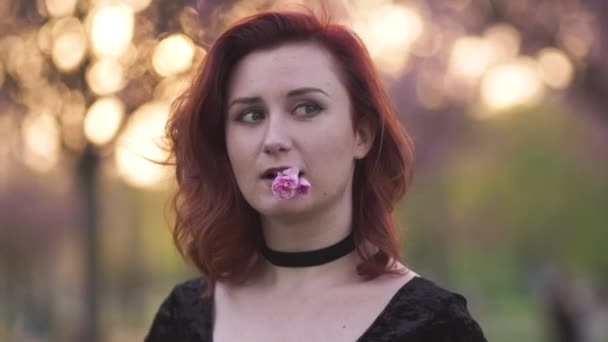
(236, 145)
(238, 156)
(334, 146)
(331, 160)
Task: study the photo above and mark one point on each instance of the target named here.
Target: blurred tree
(31, 19)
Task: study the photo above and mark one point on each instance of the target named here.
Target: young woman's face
(287, 107)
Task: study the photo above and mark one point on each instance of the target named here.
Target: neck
(308, 233)
(310, 258)
(338, 272)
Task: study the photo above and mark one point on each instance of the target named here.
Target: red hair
(215, 227)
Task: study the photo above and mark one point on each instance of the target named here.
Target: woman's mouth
(286, 183)
(269, 179)
(274, 172)
(271, 176)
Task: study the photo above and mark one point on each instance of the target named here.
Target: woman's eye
(253, 115)
(307, 108)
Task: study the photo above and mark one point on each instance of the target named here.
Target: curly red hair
(215, 228)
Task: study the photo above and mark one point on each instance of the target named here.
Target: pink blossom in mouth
(303, 187)
(287, 184)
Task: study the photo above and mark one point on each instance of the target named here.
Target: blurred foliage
(517, 195)
(526, 189)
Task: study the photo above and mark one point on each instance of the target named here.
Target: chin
(279, 207)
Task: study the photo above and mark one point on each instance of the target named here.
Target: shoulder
(424, 311)
(183, 313)
(431, 297)
(188, 292)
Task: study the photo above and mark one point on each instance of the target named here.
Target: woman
(289, 160)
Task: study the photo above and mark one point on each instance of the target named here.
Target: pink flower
(287, 184)
(303, 187)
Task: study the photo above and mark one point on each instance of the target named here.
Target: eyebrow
(292, 93)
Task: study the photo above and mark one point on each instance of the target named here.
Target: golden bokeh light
(199, 55)
(395, 26)
(430, 43)
(173, 55)
(129, 58)
(140, 141)
(576, 35)
(170, 88)
(69, 46)
(25, 62)
(120, 42)
(389, 31)
(511, 84)
(71, 120)
(60, 8)
(103, 120)
(138, 5)
(105, 76)
(190, 22)
(470, 57)
(505, 39)
(393, 65)
(224, 19)
(43, 97)
(555, 68)
(111, 29)
(45, 38)
(41, 141)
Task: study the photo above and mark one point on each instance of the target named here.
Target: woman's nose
(274, 148)
(277, 137)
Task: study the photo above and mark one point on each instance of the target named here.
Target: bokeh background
(506, 100)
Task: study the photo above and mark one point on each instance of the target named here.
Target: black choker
(310, 258)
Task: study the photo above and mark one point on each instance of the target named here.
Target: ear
(365, 134)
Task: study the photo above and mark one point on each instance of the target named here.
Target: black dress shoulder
(419, 311)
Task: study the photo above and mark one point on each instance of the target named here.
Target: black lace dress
(419, 311)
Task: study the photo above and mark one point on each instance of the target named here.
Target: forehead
(283, 68)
